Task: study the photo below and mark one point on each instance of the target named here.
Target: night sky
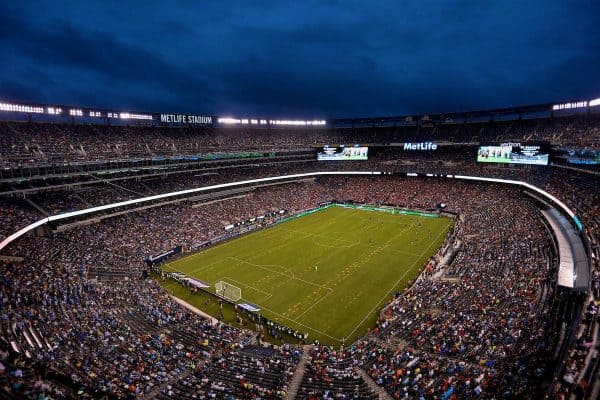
(299, 59)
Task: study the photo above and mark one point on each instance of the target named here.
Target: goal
(228, 291)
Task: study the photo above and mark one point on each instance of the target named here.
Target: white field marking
(347, 246)
(284, 269)
(405, 252)
(269, 295)
(314, 304)
(316, 235)
(283, 242)
(205, 266)
(313, 235)
(301, 324)
(334, 219)
(168, 267)
(392, 250)
(280, 273)
(266, 232)
(398, 281)
(402, 232)
(173, 268)
(377, 247)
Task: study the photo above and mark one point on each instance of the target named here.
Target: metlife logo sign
(422, 146)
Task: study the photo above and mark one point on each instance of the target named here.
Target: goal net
(228, 291)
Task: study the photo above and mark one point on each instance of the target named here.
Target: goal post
(228, 291)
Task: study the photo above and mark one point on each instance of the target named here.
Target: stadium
(263, 250)
(148, 256)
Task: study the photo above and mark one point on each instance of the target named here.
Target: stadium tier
(353, 259)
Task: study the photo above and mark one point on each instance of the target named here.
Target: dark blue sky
(299, 58)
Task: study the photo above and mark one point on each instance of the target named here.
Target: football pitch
(327, 273)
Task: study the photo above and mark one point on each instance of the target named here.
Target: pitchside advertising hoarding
(342, 153)
(514, 153)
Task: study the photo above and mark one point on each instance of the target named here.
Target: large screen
(580, 156)
(513, 153)
(341, 153)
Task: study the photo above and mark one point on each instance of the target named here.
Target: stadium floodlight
(594, 103)
(228, 291)
(287, 122)
(21, 108)
(297, 122)
(126, 115)
(229, 120)
(567, 106)
(54, 110)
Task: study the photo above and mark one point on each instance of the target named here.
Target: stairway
(37, 207)
(157, 389)
(298, 375)
(383, 395)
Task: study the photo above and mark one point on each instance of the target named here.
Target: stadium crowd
(46, 143)
(476, 328)
(473, 322)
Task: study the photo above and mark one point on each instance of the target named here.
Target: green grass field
(327, 273)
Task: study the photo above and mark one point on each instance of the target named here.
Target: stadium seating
(77, 319)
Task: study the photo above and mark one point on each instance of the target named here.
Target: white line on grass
(314, 235)
(397, 282)
(380, 247)
(405, 252)
(204, 267)
(314, 304)
(269, 295)
(280, 273)
(301, 324)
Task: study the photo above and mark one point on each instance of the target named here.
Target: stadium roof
(54, 112)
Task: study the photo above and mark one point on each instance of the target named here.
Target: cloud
(299, 59)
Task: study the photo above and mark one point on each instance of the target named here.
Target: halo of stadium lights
(296, 122)
(228, 120)
(126, 115)
(83, 112)
(21, 108)
(285, 122)
(567, 106)
(54, 110)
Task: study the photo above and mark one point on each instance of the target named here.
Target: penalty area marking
(292, 275)
(226, 278)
